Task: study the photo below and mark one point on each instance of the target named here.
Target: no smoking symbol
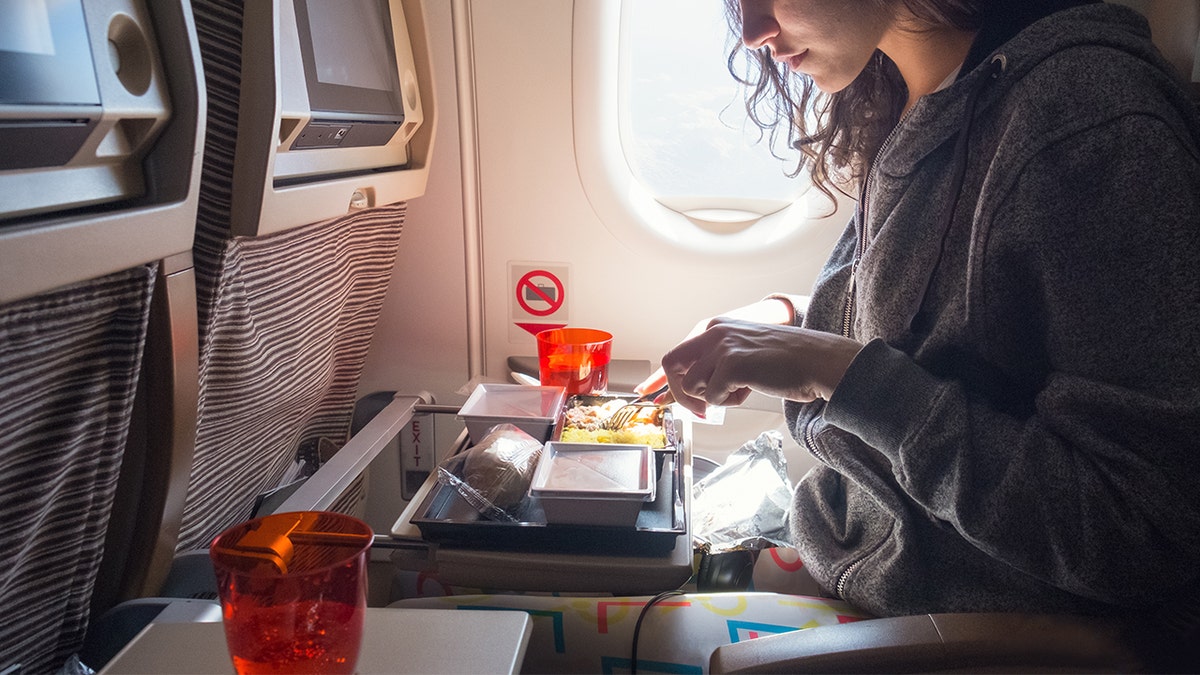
(529, 290)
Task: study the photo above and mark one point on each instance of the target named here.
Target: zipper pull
(848, 308)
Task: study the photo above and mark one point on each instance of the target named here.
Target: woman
(999, 367)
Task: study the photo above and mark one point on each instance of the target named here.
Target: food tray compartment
(670, 430)
(445, 518)
(594, 483)
(535, 410)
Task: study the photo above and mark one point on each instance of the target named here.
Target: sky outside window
(687, 132)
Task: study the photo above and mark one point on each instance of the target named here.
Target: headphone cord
(637, 627)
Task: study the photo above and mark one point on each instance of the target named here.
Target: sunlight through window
(684, 127)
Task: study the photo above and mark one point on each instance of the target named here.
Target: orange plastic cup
(575, 359)
(293, 589)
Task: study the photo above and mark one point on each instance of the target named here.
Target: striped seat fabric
(69, 363)
(289, 328)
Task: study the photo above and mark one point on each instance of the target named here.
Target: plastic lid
(595, 471)
(291, 543)
(513, 400)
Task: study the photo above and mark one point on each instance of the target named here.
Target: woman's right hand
(723, 364)
(768, 310)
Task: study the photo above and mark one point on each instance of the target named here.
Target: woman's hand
(723, 364)
(771, 310)
(658, 378)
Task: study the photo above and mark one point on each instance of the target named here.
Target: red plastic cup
(293, 589)
(575, 359)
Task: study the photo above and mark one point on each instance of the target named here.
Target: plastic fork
(625, 414)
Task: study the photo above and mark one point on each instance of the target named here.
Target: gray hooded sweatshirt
(1021, 431)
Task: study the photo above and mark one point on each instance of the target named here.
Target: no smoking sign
(538, 295)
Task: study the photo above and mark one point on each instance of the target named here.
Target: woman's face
(831, 41)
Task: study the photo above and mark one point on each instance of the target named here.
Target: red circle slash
(554, 300)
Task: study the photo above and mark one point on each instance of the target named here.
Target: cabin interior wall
(535, 209)
(1174, 25)
(420, 341)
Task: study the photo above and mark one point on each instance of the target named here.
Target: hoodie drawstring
(958, 175)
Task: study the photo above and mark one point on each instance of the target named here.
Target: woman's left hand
(722, 365)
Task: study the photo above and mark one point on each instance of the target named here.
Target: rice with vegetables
(585, 424)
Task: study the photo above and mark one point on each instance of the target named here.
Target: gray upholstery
(69, 361)
(219, 30)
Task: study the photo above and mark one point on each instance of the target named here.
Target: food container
(532, 409)
(594, 483)
(583, 415)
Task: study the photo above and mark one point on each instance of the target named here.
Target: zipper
(848, 323)
(810, 438)
(861, 244)
(840, 587)
(848, 305)
(841, 582)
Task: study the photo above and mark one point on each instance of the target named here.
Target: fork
(625, 414)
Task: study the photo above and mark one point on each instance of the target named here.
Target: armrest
(938, 642)
(324, 486)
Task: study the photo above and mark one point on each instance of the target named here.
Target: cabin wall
(535, 209)
(421, 340)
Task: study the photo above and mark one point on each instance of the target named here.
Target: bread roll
(500, 467)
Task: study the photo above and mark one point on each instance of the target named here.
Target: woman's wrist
(777, 310)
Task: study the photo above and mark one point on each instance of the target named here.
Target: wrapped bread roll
(500, 467)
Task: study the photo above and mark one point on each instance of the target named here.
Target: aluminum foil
(743, 504)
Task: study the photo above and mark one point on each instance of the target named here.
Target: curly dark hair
(837, 134)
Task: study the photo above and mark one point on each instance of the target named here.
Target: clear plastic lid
(595, 471)
(508, 401)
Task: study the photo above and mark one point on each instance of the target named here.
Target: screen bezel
(342, 99)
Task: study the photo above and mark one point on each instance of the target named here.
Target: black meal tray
(445, 518)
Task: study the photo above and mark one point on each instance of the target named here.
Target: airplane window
(686, 133)
(664, 149)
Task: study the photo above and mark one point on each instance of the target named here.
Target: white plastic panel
(278, 188)
(146, 153)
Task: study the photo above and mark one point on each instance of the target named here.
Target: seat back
(287, 333)
(139, 547)
(285, 319)
(1175, 29)
(69, 362)
(83, 239)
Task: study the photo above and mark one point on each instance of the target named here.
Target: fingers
(721, 365)
(657, 379)
(716, 364)
(708, 368)
(676, 366)
(721, 385)
(736, 397)
(689, 369)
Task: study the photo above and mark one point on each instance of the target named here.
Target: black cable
(637, 627)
